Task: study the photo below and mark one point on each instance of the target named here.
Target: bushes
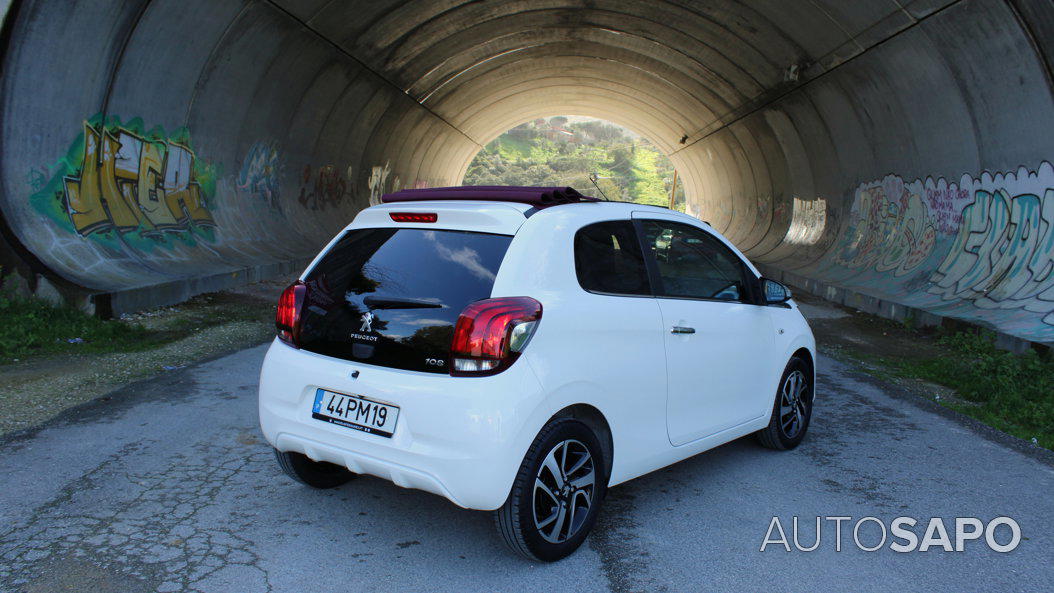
(1012, 392)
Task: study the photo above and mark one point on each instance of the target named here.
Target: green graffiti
(122, 185)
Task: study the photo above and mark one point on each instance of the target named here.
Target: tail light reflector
(414, 216)
(287, 319)
(490, 334)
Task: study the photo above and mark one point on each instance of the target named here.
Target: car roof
(499, 216)
(538, 196)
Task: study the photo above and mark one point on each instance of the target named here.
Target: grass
(33, 327)
(1011, 392)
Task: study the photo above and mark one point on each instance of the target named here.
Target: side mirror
(775, 293)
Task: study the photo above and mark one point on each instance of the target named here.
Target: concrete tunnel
(892, 151)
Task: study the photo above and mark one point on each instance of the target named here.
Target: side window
(608, 259)
(691, 263)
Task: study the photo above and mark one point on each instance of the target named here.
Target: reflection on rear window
(391, 296)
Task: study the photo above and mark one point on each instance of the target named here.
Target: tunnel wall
(146, 142)
(918, 172)
(899, 149)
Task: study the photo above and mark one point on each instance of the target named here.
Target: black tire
(316, 474)
(790, 417)
(516, 520)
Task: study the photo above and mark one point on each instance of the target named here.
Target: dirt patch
(869, 342)
(865, 336)
(38, 388)
(912, 360)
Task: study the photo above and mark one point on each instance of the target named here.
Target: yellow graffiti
(129, 182)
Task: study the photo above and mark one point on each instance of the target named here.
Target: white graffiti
(808, 221)
(1003, 254)
(378, 177)
(890, 226)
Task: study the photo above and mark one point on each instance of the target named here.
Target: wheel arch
(595, 420)
(806, 355)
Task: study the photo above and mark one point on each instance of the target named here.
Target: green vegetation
(961, 370)
(1011, 392)
(557, 152)
(33, 327)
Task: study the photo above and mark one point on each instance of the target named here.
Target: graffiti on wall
(378, 178)
(1003, 253)
(808, 221)
(991, 238)
(131, 182)
(325, 186)
(890, 227)
(118, 180)
(260, 171)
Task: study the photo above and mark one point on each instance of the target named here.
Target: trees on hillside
(562, 153)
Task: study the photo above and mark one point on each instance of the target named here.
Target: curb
(114, 304)
(887, 309)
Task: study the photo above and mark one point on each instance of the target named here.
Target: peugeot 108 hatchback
(520, 350)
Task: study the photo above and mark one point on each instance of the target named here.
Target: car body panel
(717, 376)
(456, 437)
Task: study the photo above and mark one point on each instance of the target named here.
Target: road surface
(167, 485)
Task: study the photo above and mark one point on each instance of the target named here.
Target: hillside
(560, 152)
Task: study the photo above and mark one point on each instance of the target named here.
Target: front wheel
(557, 493)
(792, 410)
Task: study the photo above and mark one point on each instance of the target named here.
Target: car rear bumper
(460, 437)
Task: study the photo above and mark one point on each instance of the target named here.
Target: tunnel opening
(873, 147)
(597, 157)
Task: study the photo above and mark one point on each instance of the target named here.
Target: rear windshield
(391, 297)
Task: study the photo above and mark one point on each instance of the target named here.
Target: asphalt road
(168, 486)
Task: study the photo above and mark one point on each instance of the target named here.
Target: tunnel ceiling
(861, 143)
(667, 69)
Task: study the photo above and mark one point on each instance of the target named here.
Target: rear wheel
(792, 410)
(317, 474)
(557, 493)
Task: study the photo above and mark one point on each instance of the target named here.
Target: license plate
(355, 412)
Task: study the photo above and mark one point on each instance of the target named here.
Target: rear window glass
(608, 259)
(391, 297)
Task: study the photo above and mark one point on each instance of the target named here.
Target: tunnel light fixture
(414, 216)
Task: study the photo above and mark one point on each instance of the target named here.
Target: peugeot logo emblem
(367, 322)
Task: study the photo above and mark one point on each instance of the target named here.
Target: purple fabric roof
(536, 196)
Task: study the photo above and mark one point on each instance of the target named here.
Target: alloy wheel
(793, 402)
(563, 491)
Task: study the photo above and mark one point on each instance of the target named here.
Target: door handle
(682, 330)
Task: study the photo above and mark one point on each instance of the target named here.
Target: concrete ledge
(911, 316)
(114, 304)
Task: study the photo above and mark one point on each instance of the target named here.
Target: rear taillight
(490, 334)
(414, 216)
(287, 319)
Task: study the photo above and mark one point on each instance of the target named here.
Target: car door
(718, 341)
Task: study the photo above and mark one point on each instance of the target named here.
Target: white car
(520, 350)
